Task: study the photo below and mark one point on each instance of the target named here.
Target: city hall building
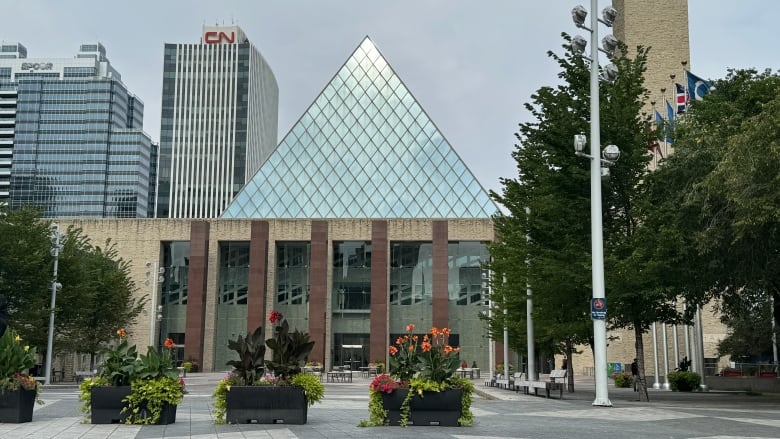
(362, 220)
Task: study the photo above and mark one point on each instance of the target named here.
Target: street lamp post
(56, 247)
(611, 153)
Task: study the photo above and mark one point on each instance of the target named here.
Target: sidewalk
(498, 413)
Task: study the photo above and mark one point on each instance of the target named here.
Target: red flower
(121, 332)
(169, 344)
(393, 350)
(275, 316)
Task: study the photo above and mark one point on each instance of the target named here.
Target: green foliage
(312, 387)
(187, 366)
(119, 363)
(250, 365)
(684, 381)
(155, 365)
(85, 392)
(97, 292)
(417, 386)
(147, 397)
(289, 351)
(15, 357)
(623, 379)
(220, 396)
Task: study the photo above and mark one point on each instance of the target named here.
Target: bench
(521, 383)
(502, 381)
(550, 384)
(338, 376)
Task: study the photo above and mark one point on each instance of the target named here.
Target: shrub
(684, 381)
(623, 379)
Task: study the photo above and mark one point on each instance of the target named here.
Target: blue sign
(598, 308)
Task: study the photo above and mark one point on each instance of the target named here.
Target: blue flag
(697, 87)
(670, 122)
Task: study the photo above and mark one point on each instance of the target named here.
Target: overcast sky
(471, 64)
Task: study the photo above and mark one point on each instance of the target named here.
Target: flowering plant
(16, 359)
(383, 383)
(435, 359)
(119, 361)
(289, 353)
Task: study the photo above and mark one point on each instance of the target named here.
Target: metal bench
(550, 384)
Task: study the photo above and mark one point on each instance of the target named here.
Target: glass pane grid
(364, 149)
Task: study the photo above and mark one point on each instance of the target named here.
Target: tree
(717, 197)
(96, 297)
(544, 240)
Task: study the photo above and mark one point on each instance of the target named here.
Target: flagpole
(669, 122)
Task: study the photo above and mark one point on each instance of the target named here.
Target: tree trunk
(569, 367)
(640, 357)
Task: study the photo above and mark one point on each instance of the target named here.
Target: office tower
(71, 138)
(219, 122)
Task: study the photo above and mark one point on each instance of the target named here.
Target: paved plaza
(498, 414)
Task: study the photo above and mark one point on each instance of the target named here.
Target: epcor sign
(214, 37)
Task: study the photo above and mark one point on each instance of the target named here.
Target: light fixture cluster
(608, 44)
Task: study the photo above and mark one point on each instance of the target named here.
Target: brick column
(196, 290)
(319, 289)
(379, 292)
(440, 274)
(258, 275)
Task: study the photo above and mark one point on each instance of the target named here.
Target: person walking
(635, 374)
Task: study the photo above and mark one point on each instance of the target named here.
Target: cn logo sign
(214, 37)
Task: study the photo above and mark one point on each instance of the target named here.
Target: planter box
(433, 408)
(167, 414)
(17, 405)
(266, 405)
(107, 404)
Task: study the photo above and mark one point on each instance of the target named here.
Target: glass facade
(232, 285)
(79, 149)
(364, 149)
(293, 282)
(351, 302)
(173, 290)
(411, 286)
(466, 299)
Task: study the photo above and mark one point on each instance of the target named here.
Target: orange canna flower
(410, 327)
(399, 341)
(411, 348)
(434, 331)
(426, 346)
(169, 344)
(121, 332)
(447, 349)
(393, 350)
(425, 338)
(414, 338)
(445, 331)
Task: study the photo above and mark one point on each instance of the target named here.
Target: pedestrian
(635, 374)
(565, 363)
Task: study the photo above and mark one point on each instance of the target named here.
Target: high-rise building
(219, 122)
(71, 137)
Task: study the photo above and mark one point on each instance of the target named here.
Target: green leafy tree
(717, 196)
(96, 297)
(544, 240)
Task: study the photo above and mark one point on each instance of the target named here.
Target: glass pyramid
(364, 149)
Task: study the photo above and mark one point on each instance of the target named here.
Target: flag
(669, 122)
(697, 87)
(653, 146)
(682, 101)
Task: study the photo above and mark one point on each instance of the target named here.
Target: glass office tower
(219, 122)
(71, 138)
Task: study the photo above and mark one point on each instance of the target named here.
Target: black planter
(16, 405)
(433, 408)
(167, 414)
(266, 405)
(107, 404)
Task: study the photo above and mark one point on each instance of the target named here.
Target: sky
(471, 64)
